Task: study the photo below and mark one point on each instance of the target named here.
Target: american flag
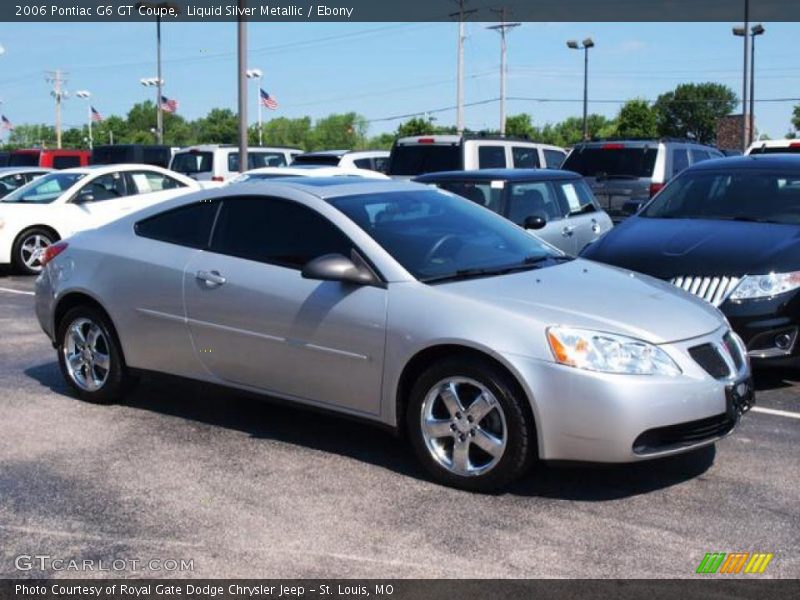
(96, 116)
(6, 124)
(268, 101)
(169, 105)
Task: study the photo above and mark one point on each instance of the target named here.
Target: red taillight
(655, 188)
(613, 146)
(794, 145)
(425, 141)
(217, 178)
(52, 251)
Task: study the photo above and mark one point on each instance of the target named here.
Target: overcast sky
(383, 70)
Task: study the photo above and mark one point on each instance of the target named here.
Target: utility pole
(242, 77)
(461, 14)
(57, 79)
(745, 70)
(502, 28)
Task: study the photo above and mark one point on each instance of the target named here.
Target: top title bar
(389, 10)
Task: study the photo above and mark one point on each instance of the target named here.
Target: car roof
(212, 147)
(499, 175)
(327, 188)
(337, 153)
(639, 142)
(113, 167)
(786, 143)
(788, 162)
(24, 169)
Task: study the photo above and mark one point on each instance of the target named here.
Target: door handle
(568, 230)
(212, 279)
(595, 226)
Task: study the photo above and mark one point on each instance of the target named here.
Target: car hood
(667, 248)
(589, 295)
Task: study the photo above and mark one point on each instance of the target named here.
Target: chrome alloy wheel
(86, 354)
(464, 426)
(32, 250)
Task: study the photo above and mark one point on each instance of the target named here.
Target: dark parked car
(117, 154)
(727, 231)
(557, 206)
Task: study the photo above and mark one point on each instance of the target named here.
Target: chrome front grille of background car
(711, 289)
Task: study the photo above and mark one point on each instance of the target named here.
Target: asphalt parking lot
(251, 489)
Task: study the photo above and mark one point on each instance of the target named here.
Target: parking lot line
(775, 412)
(22, 292)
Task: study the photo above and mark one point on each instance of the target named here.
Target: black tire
(116, 381)
(520, 436)
(20, 254)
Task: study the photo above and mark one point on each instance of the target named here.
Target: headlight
(765, 286)
(608, 353)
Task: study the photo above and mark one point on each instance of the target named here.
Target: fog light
(783, 341)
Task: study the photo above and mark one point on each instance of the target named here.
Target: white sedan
(306, 171)
(64, 202)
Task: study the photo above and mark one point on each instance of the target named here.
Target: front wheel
(469, 426)
(29, 248)
(90, 357)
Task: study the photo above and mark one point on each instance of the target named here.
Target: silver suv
(624, 174)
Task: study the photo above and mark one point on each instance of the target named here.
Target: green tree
(796, 118)
(141, 126)
(520, 126)
(692, 110)
(111, 129)
(417, 126)
(25, 135)
(219, 126)
(344, 131)
(287, 132)
(636, 119)
(382, 141)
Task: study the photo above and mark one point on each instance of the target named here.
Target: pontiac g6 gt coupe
(400, 304)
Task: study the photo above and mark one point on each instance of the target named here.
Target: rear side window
(256, 160)
(330, 160)
(24, 159)
(491, 157)
(699, 155)
(525, 158)
(416, 159)
(680, 160)
(614, 160)
(554, 159)
(363, 163)
(192, 162)
(66, 162)
(276, 231)
(146, 182)
(188, 226)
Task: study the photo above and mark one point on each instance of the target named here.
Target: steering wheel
(437, 247)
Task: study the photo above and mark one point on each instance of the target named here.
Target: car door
(256, 322)
(103, 198)
(538, 198)
(589, 223)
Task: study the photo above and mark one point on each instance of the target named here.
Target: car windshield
(192, 162)
(416, 159)
(45, 189)
(436, 235)
(745, 195)
(612, 160)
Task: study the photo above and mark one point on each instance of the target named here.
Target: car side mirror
(335, 267)
(84, 197)
(534, 222)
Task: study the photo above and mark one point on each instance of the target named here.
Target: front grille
(709, 357)
(733, 349)
(711, 289)
(683, 434)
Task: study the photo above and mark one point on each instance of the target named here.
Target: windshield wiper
(527, 264)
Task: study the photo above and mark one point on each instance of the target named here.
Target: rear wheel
(29, 249)
(90, 357)
(469, 426)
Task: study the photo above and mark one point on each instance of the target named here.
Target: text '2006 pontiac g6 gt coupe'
(404, 305)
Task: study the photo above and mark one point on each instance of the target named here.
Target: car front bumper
(770, 327)
(599, 417)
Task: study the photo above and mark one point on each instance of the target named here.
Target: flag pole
(91, 141)
(260, 123)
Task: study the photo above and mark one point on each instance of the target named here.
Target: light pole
(257, 74)
(585, 45)
(755, 31)
(742, 31)
(502, 28)
(241, 68)
(158, 79)
(86, 95)
(157, 83)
